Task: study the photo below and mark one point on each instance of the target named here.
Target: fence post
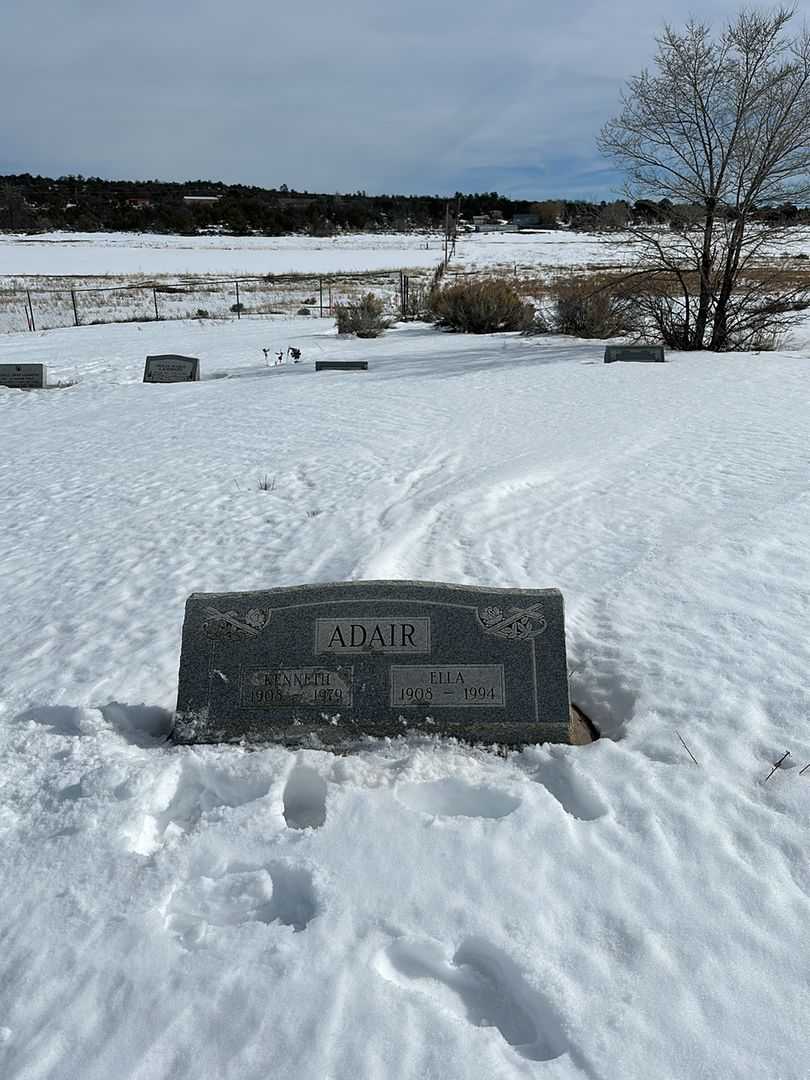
(330, 297)
(31, 309)
(320, 294)
(238, 305)
(75, 310)
(154, 297)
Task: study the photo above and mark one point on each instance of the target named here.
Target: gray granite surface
(327, 664)
(24, 376)
(645, 354)
(341, 365)
(169, 368)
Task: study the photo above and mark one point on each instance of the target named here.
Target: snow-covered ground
(416, 910)
(84, 254)
(113, 274)
(549, 249)
(556, 250)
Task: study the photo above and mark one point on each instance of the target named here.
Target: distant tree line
(89, 204)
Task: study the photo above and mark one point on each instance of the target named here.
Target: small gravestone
(169, 368)
(645, 354)
(24, 376)
(341, 365)
(328, 664)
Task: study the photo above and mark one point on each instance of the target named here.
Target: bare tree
(548, 212)
(720, 127)
(613, 215)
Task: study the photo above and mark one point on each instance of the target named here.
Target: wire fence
(81, 302)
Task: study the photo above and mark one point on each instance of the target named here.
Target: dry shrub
(585, 309)
(363, 317)
(485, 306)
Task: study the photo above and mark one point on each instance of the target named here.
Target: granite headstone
(341, 365)
(645, 354)
(170, 368)
(24, 376)
(327, 664)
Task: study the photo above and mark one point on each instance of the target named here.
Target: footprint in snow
(573, 792)
(480, 984)
(305, 798)
(185, 794)
(452, 797)
(278, 892)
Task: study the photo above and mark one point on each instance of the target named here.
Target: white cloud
(418, 98)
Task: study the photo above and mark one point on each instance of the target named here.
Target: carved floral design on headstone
(518, 625)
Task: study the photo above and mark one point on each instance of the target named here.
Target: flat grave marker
(645, 354)
(327, 664)
(170, 368)
(24, 376)
(341, 365)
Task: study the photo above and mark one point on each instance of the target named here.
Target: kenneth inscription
(326, 665)
(280, 687)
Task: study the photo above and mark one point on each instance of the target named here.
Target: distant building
(525, 221)
(139, 201)
(201, 200)
(501, 226)
(491, 222)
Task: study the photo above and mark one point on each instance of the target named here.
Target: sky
(414, 98)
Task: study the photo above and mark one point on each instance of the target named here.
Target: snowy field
(86, 254)
(560, 250)
(417, 910)
(112, 275)
(552, 249)
(82, 255)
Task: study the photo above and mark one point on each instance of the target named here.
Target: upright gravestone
(327, 664)
(645, 354)
(169, 368)
(24, 376)
(341, 365)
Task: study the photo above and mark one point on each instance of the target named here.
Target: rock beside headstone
(583, 729)
(645, 354)
(24, 376)
(341, 365)
(328, 664)
(170, 368)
